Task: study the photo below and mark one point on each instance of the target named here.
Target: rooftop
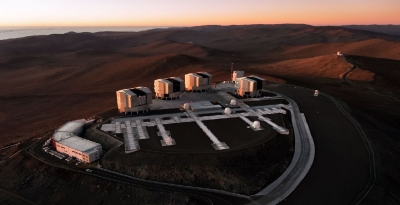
(166, 81)
(138, 92)
(174, 79)
(204, 105)
(255, 77)
(79, 143)
(72, 126)
(194, 74)
(128, 92)
(204, 74)
(247, 79)
(66, 135)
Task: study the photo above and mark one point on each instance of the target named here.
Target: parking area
(52, 153)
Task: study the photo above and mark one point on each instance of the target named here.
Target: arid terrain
(47, 80)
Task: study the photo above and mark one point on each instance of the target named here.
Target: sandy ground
(47, 80)
(27, 180)
(361, 75)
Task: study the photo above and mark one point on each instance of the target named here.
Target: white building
(200, 81)
(65, 140)
(249, 86)
(237, 74)
(169, 88)
(134, 99)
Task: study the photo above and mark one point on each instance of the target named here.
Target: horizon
(111, 26)
(179, 13)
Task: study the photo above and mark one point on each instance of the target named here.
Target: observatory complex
(200, 81)
(168, 88)
(249, 86)
(65, 140)
(134, 99)
(196, 107)
(233, 115)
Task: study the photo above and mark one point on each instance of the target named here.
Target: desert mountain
(386, 29)
(55, 73)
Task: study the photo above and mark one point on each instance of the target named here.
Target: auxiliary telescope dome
(256, 125)
(186, 106)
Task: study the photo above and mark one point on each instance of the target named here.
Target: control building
(249, 86)
(134, 99)
(66, 140)
(169, 88)
(200, 81)
(237, 74)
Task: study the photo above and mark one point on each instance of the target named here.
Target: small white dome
(256, 125)
(186, 106)
(233, 102)
(228, 111)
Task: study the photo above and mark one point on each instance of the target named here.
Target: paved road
(339, 175)
(301, 162)
(209, 196)
(273, 194)
(341, 168)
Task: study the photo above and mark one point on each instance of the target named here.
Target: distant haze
(18, 32)
(192, 13)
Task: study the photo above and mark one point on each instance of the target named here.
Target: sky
(193, 13)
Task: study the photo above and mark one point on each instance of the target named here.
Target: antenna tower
(231, 71)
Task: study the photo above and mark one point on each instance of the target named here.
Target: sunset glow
(192, 13)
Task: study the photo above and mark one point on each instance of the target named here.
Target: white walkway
(218, 145)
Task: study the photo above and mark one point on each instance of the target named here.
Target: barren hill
(378, 48)
(386, 29)
(328, 66)
(44, 76)
(47, 80)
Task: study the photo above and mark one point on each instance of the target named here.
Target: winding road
(343, 168)
(339, 148)
(273, 194)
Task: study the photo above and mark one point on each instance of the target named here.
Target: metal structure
(65, 140)
(237, 74)
(168, 88)
(232, 71)
(134, 99)
(201, 81)
(250, 86)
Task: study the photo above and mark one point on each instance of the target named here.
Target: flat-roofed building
(200, 81)
(249, 86)
(204, 106)
(169, 88)
(66, 140)
(134, 99)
